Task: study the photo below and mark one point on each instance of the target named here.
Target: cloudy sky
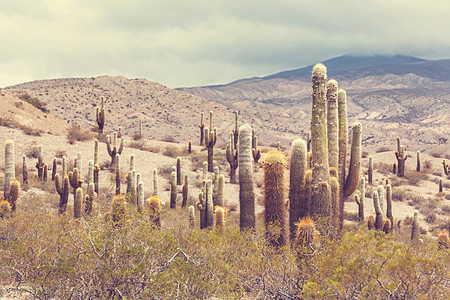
(201, 42)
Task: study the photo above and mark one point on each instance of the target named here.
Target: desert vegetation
(287, 233)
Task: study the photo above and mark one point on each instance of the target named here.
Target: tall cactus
(40, 163)
(389, 204)
(140, 197)
(298, 202)
(54, 168)
(78, 204)
(246, 192)
(401, 159)
(370, 170)
(210, 141)
(209, 205)
(219, 217)
(75, 180)
(89, 198)
(113, 150)
(351, 183)
(95, 152)
(173, 190)
(63, 190)
(415, 226)
(219, 195)
(202, 130)
(232, 157)
(320, 202)
(379, 213)
(235, 131)
(275, 214)
(10, 172)
(256, 153)
(155, 183)
(24, 169)
(185, 191)
(201, 206)
(361, 199)
(332, 123)
(100, 117)
(179, 171)
(117, 166)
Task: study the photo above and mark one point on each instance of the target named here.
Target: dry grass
(76, 134)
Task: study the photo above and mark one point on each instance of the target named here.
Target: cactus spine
(78, 204)
(185, 191)
(111, 146)
(275, 215)
(210, 141)
(320, 202)
(63, 190)
(173, 190)
(10, 173)
(298, 202)
(232, 156)
(202, 128)
(415, 226)
(246, 193)
(191, 217)
(100, 116)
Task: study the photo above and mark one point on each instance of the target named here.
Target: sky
(181, 43)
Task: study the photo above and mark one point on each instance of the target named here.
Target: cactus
(298, 202)
(14, 191)
(215, 183)
(235, 130)
(64, 167)
(155, 183)
(117, 160)
(111, 146)
(370, 171)
(118, 210)
(185, 191)
(201, 205)
(10, 172)
(62, 189)
(95, 153)
(173, 190)
(361, 199)
(371, 222)
(210, 141)
(219, 195)
(219, 217)
(45, 173)
(332, 123)
(334, 189)
(5, 208)
(320, 203)
(379, 213)
(24, 170)
(232, 157)
(74, 179)
(189, 147)
(401, 158)
(202, 128)
(155, 208)
(441, 185)
(89, 198)
(389, 204)
(275, 214)
(132, 164)
(418, 161)
(140, 197)
(96, 177)
(246, 193)
(78, 163)
(256, 153)
(40, 163)
(381, 197)
(443, 240)
(179, 171)
(415, 227)
(351, 183)
(209, 205)
(306, 233)
(446, 168)
(386, 226)
(78, 204)
(54, 169)
(191, 217)
(100, 116)
(394, 168)
(90, 177)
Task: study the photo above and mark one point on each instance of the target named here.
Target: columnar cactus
(418, 161)
(54, 168)
(235, 130)
(10, 172)
(40, 163)
(379, 213)
(361, 199)
(209, 205)
(155, 208)
(205, 170)
(343, 137)
(179, 171)
(219, 195)
(95, 153)
(90, 172)
(202, 128)
(78, 204)
(14, 191)
(201, 206)
(89, 198)
(117, 165)
(111, 146)
(100, 116)
(306, 233)
(185, 191)
(246, 193)
(389, 204)
(173, 190)
(351, 183)
(219, 217)
(446, 167)
(256, 153)
(191, 216)
(96, 177)
(275, 214)
(155, 183)
(189, 147)
(5, 209)
(332, 123)
(210, 141)
(215, 183)
(298, 201)
(132, 160)
(441, 185)
(75, 180)
(381, 196)
(79, 162)
(24, 169)
(371, 223)
(334, 188)
(415, 227)
(370, 171)
(320, 203)
(232, 157)
(140, 197)
(401, 158)
(62, 189)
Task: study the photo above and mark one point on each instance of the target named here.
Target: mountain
(409, 95)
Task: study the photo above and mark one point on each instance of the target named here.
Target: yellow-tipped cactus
(443, 240)
(275, 214)
(387, 226)
(219, 217)
(371, 222)
(306, 234)
(5, 209)
(155, 208)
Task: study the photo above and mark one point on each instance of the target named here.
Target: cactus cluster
(210, 140)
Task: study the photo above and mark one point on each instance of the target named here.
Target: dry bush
(436, 154)
(172, 151)
(8, 122)
(30, 130)
(383, 168)
(197, 160)
(32, 152)
(168, 139)
(137, 145)
(415, 177)
(137, 136)
(60, 154)
(427, 164)
(75, 133)
(36, 102)
(382, 149)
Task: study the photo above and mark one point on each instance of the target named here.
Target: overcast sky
(201, 42)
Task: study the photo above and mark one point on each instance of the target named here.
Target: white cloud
(179, 43)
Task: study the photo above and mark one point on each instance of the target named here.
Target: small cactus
(10, 172)
(220, 186)
(89, 198)
(117, 166)
(418, 161)
(191, 216)
(173, 190)
(5, 209)
(62, 189)
(441, 185)
(371, 222)
(185, 191)
(370, 170)
(386, 226)
(100, 117)
(401, 159)
(155, 208)
(111, 146)
(379, 213)
(78, 204)
(415, 227)
(202, 128)
(24, 170)
(219, 217)
(179, 171)
(443, 240)
(14, 191)
(306, 233)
